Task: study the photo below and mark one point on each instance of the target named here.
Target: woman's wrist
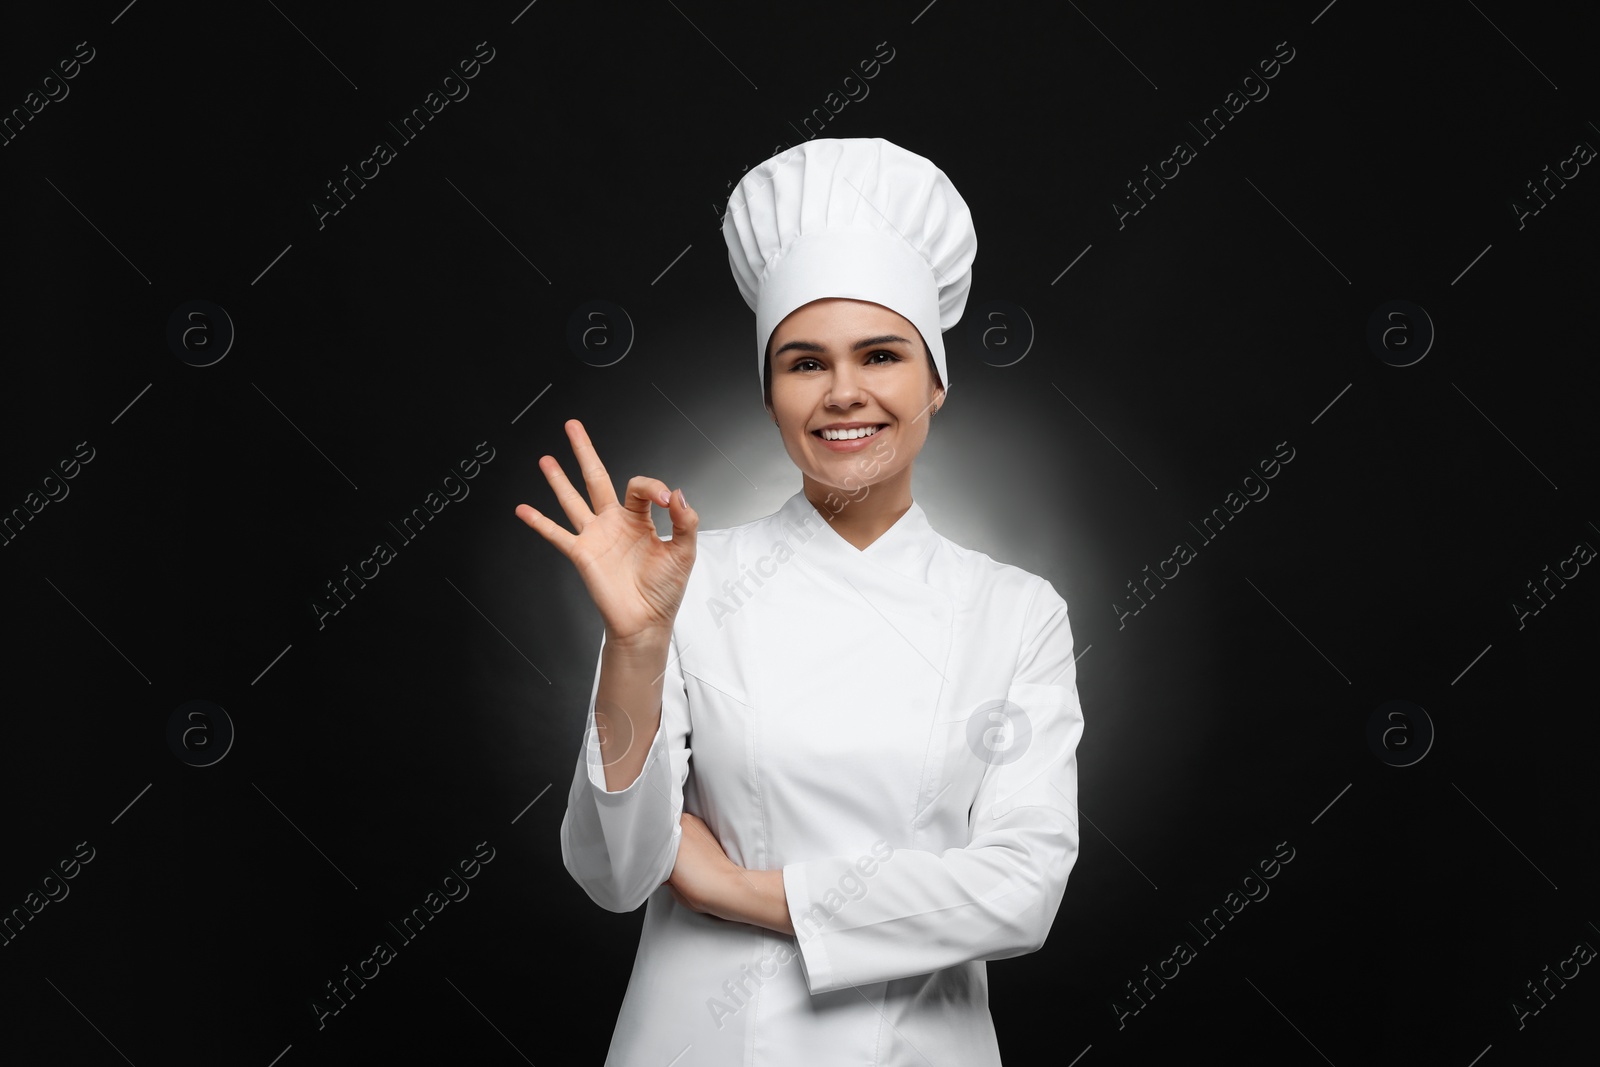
(643, 643)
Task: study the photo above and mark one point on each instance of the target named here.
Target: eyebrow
(867, 342)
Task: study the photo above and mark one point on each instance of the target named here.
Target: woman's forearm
(627, 707)
(757, 898)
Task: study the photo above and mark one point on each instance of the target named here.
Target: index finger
(601, 491)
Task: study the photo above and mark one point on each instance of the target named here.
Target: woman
(883, 724)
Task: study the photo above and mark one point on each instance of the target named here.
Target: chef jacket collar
(903, 548)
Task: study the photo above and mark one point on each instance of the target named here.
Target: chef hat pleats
(855, 217)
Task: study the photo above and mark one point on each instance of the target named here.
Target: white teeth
(849, 435)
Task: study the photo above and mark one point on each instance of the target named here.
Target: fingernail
(683, 501)
(665, 496)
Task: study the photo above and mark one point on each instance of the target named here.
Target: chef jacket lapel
(889, 575)
(906, 618)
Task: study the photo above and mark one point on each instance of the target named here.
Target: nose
(844, 387)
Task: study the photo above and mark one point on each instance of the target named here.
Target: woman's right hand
(635, 578)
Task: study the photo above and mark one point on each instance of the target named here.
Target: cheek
(795, 443)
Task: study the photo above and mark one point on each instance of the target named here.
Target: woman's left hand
(703, 874)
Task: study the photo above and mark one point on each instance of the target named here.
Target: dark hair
(766, 391)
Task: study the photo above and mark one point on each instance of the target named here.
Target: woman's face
(851, 362)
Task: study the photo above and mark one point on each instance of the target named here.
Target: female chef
(883, 724)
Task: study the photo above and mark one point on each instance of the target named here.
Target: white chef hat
(854, 217)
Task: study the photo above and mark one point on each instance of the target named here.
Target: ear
(938, 398)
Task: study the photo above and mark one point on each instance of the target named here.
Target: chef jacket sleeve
(621, 845)
(857, 921)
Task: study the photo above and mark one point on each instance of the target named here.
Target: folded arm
(995, 898)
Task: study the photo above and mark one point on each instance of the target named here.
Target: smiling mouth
(852, 435)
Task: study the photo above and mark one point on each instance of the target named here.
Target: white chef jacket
(836, 713)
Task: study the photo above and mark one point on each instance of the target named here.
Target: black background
(590, 161)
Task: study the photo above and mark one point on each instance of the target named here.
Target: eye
(894, 357)
(800, 364)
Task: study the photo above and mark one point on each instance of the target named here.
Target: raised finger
(601, 492)
(549, 530)
(571, 500)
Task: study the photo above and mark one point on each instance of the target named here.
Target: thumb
(685, 520)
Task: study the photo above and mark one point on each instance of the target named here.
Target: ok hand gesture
(635, 578)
